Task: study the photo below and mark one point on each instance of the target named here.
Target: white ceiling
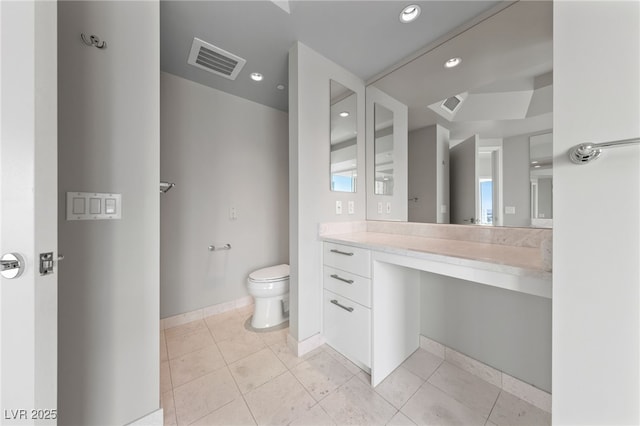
(365, 37)
(505, 74)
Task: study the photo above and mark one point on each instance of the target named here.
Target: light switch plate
(351, 207)
(93, 206)
(338, 207)
(388, 208)
(443, 208)
(379, 207)
(233, 213)
(509, 210)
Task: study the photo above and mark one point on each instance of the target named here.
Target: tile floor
(216, 372)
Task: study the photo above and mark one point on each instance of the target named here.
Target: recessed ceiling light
(409, 13)
(280, 87)
(453, 62)
(344, 114)
(256, 76)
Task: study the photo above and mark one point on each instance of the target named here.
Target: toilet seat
(270, 274)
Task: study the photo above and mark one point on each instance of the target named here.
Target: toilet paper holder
(224, 247)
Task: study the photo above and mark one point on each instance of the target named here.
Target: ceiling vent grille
(215, 60)
(452, 104)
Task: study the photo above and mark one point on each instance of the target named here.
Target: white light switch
(338, 207)
(443, 208)
(351, 207)
(379, 207)
(233, 213)
(388, 208)
(509, 210)
(93, 206)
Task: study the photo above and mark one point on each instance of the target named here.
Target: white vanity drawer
(347, 327)
(351, 259)
(349, 285)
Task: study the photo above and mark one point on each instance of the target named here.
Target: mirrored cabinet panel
(344, 138)
(383, 150)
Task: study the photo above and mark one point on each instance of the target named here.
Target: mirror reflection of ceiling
(365, 37)
(504, 80)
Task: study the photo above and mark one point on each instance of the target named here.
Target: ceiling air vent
(215, 60)
(452, 103)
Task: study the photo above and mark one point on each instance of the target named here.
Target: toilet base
(268, 312)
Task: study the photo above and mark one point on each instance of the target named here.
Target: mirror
(344, 132)
(499, 96)
(383, 150)
(541, 175)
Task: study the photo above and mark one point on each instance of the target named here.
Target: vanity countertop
(513, 260)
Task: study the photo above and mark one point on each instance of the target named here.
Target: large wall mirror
(484, 97)
(383, 150)
(344, 138)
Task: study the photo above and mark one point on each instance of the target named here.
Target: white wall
(507, 330)
(596, 268)
(428, 175)
(311, 202)
(221, 151)
(108, 371)
(516, 185)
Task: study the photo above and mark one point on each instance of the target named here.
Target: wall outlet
(351, 206)
(388, 208)
(379, 207)
(233, 213)
(338, 207)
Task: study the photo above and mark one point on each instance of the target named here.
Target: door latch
(46, 263)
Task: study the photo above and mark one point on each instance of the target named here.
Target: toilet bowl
(270, 290)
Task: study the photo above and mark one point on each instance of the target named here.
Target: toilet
(270, 290)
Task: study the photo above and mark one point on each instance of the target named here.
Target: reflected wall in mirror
(383, 150)
(344, 132)
(541, 175)
(500, 96)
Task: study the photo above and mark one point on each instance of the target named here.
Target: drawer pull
(339, 278)
(346, 308)
(341, 252)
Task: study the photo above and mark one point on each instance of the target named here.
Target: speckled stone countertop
(519, 251)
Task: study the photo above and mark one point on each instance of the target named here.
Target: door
(463, 180)
(28, 210)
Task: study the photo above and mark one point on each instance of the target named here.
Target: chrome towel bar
(224, 247)
(585, 152)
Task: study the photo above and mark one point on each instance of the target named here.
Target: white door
(28, 210)
(464, 181)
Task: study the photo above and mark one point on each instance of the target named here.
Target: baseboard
(301, 348)
(155, 418)
(180, 319)
(529, 393)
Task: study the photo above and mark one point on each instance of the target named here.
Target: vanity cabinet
(347, 301)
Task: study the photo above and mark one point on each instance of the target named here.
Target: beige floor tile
(284, 353)
(422, 363)
(399, 386)
(165, 377)
(186, 343)
(168, 409)
(279, 401)
(240, 347)
(490, 423)
(321, 374)
(163, 347)
(316, 416)
(195, 364)
(256, 369)
(276, 337)
(228, 329)
(356, 403)
(431, 406)
(364, 377)
(468, 389)
(235, 413)
(512, 411)
(400, 420)
(189, 327)
(204, 395)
